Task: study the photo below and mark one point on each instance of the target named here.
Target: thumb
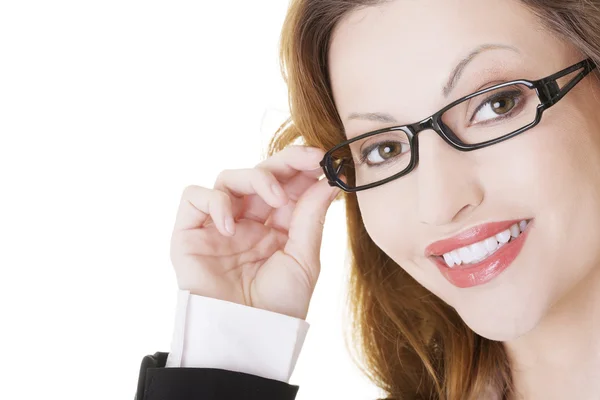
(306, 226)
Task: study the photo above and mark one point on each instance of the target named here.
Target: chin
(502, 328)
(497, 335)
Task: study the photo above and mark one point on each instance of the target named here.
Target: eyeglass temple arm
(552, 92)
(339, 168)
(336, 171)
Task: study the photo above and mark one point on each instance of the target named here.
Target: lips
(485, 270)
(468, 237)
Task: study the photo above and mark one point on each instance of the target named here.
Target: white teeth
(491, 244)
(455, 257)
(449, 260)
(514, 231)
(522, 225)
(504, 236)
(465, 254)
(480, 250)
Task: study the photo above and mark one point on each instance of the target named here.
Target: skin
(546, 306)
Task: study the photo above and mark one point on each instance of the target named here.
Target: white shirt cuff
(212, 333)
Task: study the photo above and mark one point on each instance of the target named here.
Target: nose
(447, 183)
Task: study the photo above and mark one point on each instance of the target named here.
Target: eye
(382, 152)
(498, 105)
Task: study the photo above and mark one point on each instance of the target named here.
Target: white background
(108, 109)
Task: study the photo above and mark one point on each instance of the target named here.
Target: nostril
(463, 211)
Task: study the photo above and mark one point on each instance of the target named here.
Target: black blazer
(156, 382)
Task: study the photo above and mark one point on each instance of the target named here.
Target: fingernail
(230, 225)
(276, 190)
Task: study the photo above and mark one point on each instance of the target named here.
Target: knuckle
(227, 202)
(262, 175)
(223, 175)
(221, 198)
(189, 191)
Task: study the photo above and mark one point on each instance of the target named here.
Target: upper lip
(468, 237)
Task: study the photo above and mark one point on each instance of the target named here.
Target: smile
(480, 251)
(497, 246)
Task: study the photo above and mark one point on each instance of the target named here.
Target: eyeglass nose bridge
(437, 125)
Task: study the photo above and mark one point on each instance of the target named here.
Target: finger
(306, 226)
(198, 204)
(255, 181)
(294, 159)
(281, 217)
(286, 165)
(256, 209)
(249, 189)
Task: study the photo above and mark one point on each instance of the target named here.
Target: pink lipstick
(468, 275)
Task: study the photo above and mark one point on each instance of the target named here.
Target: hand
(255, 238)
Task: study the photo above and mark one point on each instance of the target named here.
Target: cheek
(392, 223)
(561, 167)
(552, 167)
(556, 174)
(388, 219)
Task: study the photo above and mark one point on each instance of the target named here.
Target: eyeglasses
(481, 119)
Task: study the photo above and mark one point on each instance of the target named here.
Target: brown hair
(410, 343)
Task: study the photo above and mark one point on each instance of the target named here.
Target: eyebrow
(459, 69)
(450, 85)
(374, 116)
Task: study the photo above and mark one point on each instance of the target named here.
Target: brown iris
(389, 150)
(503, 105)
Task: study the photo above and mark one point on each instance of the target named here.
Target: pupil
(503, 106)
(388, 151)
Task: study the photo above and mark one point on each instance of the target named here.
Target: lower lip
(486, 270)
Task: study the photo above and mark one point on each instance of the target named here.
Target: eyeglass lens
(479, 119)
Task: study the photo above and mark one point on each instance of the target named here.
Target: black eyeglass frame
(548, 92)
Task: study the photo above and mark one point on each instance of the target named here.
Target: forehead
(396, 57)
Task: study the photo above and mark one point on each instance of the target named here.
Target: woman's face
(395, 58)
